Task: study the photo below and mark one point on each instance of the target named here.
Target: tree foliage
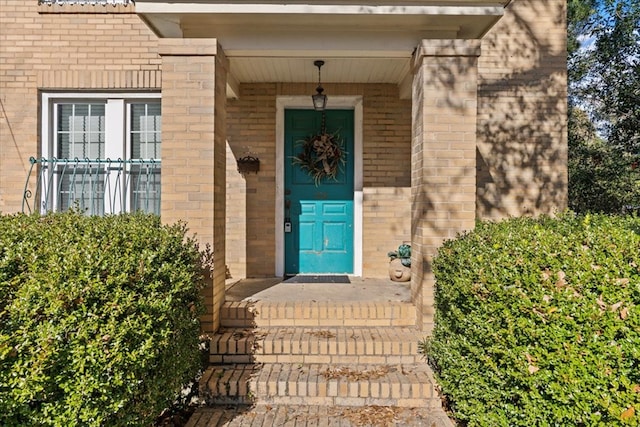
(602, 178)
(604, 103)
(578, 14)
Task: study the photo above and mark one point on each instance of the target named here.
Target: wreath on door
(322, 155)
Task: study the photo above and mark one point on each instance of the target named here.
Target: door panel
(321, 216)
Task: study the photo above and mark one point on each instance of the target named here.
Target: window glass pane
(83, 188)
(80, 131)
(65, 112)
(145, 188)
(64, 145)
(145, 130)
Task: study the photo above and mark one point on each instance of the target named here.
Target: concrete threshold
(273, 289)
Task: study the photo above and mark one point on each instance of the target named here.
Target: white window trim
(117, 127)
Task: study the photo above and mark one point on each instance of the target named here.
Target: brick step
(228, 384)
(320, 384)
(265, 314)
(319, 416)
(333, 345)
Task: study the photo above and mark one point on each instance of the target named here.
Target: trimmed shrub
(98, 318)
(538, 322)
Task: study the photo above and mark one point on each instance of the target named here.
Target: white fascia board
(308, 9)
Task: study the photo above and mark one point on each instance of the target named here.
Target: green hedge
(98, 318)
(538, 322)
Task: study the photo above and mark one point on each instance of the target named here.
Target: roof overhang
(263, 34)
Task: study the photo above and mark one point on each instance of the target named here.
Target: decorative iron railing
(97, 187)
(89, 2)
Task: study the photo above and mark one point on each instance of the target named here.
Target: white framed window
(101, 152)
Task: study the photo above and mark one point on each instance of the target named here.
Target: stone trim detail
(188, 47)
(86, 8)
(109, 79)
(445, 48)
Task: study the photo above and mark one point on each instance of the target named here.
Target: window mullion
(50, 149)
(114, 197)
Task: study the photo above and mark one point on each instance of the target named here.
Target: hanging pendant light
(319, 99)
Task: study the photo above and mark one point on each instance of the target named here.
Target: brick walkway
(316, 416)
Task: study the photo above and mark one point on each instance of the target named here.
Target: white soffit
(335, 70)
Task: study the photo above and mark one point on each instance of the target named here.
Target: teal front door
(318, 214)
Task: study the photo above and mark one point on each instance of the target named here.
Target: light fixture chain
(323, 126)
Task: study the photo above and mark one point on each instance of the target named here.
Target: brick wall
(236, 216)
(443, 157)
(251, 130)
(386, 225)
(522, 110)
(194, 150)
(387, 176)
(62, 48)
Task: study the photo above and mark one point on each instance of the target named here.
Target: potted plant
(400, 264)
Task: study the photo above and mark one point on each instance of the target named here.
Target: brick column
(194, 74)
(443, 182)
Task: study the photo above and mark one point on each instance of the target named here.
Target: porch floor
(359, 290)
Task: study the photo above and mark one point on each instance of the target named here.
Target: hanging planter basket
(248, 164)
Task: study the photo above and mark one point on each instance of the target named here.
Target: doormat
(317, 279)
